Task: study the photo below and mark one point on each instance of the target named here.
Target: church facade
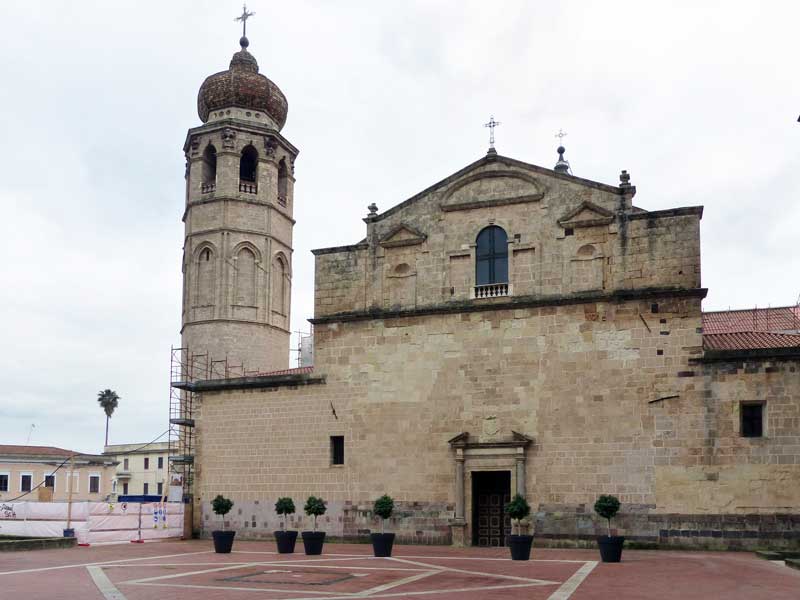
(512, 328)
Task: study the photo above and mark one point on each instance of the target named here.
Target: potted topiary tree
(223, 540)
(519, 544)
(314, 540)
(382, 542)
(610, 545)
(286, 539)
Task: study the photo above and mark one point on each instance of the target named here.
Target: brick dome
(242, 86)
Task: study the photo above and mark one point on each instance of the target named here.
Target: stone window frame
(494, 255)
(53, 475)
(146, 488)
(763, 405)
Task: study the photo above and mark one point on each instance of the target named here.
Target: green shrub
(315, 507)
(384, 507)
(518, 509)
(607, 507)
(221, 506)
(284, 506)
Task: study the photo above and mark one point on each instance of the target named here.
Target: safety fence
(94, 522)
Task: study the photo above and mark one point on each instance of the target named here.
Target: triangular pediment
(403, 235)
(587, 214)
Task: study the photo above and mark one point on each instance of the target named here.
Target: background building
(140, 470)
(23, 468)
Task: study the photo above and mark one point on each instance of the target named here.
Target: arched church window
(283, 182)
(246, 278)
(491, 256)
(209, 175)
(248, 164)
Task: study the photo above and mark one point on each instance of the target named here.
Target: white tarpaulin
(94, 522)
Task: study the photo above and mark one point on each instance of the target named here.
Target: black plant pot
(313, 542)
(286, 541)
(382, 544)
(520, 546)
(610, 547)
(223, 541)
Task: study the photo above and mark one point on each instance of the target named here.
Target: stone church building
(511, 328)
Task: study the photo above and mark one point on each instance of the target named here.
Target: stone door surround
(471, 454)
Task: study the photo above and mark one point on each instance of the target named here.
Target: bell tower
(237, 251)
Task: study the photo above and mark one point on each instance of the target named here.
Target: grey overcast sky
(698, 100)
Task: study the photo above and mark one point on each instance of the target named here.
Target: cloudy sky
(697, 100)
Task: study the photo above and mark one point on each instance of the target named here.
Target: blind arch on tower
(245, 276)
(280, 283)
(205, 271)
(491, 256)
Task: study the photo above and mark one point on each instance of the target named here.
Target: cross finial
(561, 135)
(491, 125)
(245, 15)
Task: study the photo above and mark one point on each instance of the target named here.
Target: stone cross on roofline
(491, 125)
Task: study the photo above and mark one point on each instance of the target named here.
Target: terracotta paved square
(190, 569)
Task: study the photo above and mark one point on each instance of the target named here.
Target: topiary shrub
(284, 506)
(221, 506)
(315, 507)
(384, 507)
(518, 509)
(607, 507)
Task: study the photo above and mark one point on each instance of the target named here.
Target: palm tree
(109, 400)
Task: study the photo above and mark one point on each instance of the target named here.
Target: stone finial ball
(561, 149)
(244, 42)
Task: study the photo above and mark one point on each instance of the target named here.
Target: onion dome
(242, 86)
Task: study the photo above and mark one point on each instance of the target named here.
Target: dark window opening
(248, 164)
(283, 182)
(160, 462)
(210, 164)
(146, 489)
(124, 489)
(160, 488)
(49, 481)
(205, 255)
(146, 463)
(25, 483)
(660, 352)
(569, 231)
(3, 483)
(491, 256)
(337, 449)
(125, 464)
(752, 420)
(654, 308)
(94, 484)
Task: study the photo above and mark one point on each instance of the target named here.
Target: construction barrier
(94, 522)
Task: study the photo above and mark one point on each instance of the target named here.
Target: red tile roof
(783, 319)
(295, 371)
(35, 450)
(749, 340)
(752, 329)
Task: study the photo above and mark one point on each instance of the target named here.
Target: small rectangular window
(125, 465)
(146, 489)
(50, 481)
(569, 231)
(124, 489)
(94, 484)
(146, 462)
(160, 462)
(160, 488)
(337, 449)
(4, 482)
(752, 419)
(25, 483)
